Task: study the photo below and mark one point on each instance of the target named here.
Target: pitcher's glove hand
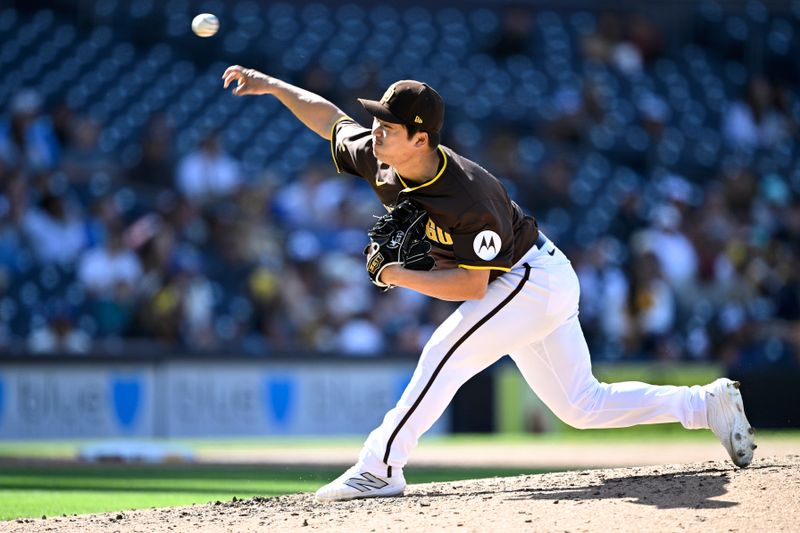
(398, 238)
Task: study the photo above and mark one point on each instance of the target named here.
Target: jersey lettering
(436, 234)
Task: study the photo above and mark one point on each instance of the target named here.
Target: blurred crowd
(185, 252)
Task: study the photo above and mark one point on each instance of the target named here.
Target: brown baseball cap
(409, 102)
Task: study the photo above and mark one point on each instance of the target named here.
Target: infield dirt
(708, 496)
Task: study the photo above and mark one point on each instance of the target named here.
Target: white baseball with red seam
(205, 25)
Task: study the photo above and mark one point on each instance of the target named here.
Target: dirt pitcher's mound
(711, 496)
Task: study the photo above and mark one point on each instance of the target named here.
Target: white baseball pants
(531, 314)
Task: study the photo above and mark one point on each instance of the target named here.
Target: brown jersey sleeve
(351, 148)
(484, 238)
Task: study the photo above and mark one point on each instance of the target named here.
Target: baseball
(205, 25)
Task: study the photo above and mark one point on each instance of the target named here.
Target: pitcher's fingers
(232, 76)
(232, 68)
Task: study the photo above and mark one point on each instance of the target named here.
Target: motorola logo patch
(487, 245)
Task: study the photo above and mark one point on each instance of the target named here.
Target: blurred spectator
(301, 306)
(208, 173)
(261, 241)
(679, 192)
(27, 140)
(758, 120)
(359, 336)
(59, 333)
(604, 289)
(64, 119)
(197, 303)
(787, 312)
(348, 307)
(599, 45)
(630, 217)
(177, 299)
(741, 190)
(552, 188)
(675, 253)
(312, 199)
(271, 322)
(111, 273)
(160, 314)
(11, 238)
(225, 254)
(55, 230)
(10, 246)
(608, 44)
(578, 109)
(655, 113)
(515, 34)
(227, 265)
(646, 36)
(104, 213)
(156, 241)
(156, 166)
(711, 228)
(626, 313)
(104, 268)
(650, 307)
(188, 221)
(82, 159)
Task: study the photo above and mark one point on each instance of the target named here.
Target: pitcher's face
(391, 144)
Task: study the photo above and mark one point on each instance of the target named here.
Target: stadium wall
(768, 392)
(103, 398)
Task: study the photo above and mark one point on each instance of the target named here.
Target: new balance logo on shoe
(356, 482)
(366, 482)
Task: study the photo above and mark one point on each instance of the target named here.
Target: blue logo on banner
(278, 396)
(126, 393)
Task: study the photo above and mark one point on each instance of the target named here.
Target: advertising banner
(186, 398)
(76, 401)
(243, 399)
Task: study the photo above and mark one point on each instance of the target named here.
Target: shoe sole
(359, 496)
(742, 437)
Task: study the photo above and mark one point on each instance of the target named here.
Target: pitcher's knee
(579, 421)
(582, 409)
(576, 418)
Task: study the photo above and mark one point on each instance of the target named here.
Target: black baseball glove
(398, 238)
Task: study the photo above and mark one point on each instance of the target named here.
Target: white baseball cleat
(358, 482)
(726, 419)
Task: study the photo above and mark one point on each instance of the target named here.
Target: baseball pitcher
(453, 233)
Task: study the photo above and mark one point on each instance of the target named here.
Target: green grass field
(69, 448)
(51, 490)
